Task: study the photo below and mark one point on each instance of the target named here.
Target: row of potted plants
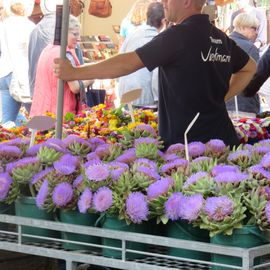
(217, 190)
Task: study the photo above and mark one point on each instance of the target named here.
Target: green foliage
(47, 156)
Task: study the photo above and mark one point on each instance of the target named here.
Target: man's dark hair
(155, 14)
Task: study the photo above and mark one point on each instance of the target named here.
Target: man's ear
(188, 3)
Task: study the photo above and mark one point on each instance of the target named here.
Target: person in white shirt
(14, 38)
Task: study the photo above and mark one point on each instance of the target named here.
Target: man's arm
(262, 74)
(240, 79)
(117, 66)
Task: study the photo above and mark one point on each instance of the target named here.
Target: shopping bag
(95, 96)
(19, 91)
(100, 8)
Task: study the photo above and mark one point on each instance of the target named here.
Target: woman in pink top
(46, 84)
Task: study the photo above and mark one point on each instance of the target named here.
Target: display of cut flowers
(251, 129)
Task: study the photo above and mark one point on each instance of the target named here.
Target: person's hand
(63, 69)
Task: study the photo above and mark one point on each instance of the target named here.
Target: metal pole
(60, 96)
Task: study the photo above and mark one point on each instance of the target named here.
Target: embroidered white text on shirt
(216, 41)
(214, 56)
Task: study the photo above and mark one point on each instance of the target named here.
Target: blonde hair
(73, 22)
(245, 20)
(17, 9)
(137, 13)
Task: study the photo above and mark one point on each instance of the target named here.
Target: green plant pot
(113, 223)
(26, 207)
(247, 237)
(6, 209)
(75, 217)
(185, 231)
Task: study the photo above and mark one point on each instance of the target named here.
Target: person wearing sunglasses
(244, 34)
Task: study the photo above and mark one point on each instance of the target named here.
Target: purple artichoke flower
(62, 194)
(128, 157)
(194, 178)
(191, 207)
(10, 151)
(265, 162)
(78, 181)
(267, 211)
(64, 168)
(102, 199)
(42, 194)
(53, 146)
(145, 127)
(196, 149)
(93, 156)
(146, 140)
(173, 206)
(151, 173)
(5, 183)
(145, 162)
(218, 208)
(267, 190)
(40, 175)
(56, 142)
(259, 171)
(67, 164)
(21, 163)
(177, 149)
(159, 188)
(170, 157)
(16, 142)
(264, 142)
(240, 154)
(216, 146)
(117, 168)
(75, 139)
(85, 200)
(92, 162)
(261, 149)
(224, 168)
(116, 173)
(97, 172)
(248, 147)
(174, 165)
(201, 159)
(95, 142)
(33, 150)
(230, 177)
(103, 150)
(137, 207)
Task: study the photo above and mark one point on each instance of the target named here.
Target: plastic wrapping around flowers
(250, 130)
(218, 189)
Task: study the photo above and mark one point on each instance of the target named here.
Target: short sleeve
(160, 51)
(239, 58)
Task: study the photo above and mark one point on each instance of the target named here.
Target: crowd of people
(27, 52)
(183, 63)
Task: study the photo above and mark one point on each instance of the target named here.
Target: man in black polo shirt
(199, 68)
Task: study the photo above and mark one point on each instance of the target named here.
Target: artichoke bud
(144, 150)
(13, 193)
(48, 155)
(79, 149)
(204, 186)
(25, 173)
(115, 151)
